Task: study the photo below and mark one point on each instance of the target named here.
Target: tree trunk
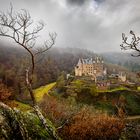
(37, 109)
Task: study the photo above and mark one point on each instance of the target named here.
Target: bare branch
(47, 44)
(18, 27)
(133, 45)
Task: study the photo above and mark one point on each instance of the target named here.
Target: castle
(90, 67)
(94, 68)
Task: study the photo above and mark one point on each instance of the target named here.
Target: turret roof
(90, 60)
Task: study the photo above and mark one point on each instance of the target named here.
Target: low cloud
(93, 24)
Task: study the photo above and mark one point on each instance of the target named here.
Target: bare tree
(131, 43)
(20, 27)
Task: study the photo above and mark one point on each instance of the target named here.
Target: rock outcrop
(17, 125)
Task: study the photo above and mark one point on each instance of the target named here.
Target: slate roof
(90, 60)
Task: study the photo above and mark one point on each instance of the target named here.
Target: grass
(117, 89)
(113, 90)
(133, 105)
(21, 106)
(39, 92)
(138, 88)
(131, 101)
(105, 107)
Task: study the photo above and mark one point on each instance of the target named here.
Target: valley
(64, 95)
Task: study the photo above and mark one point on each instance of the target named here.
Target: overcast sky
(93, 24)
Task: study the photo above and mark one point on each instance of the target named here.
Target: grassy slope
(112, 90)
(22, 106)
(138, 88)
(38, 131)
(39, 93)
(132, 100)
(19, 105)
(104, 100)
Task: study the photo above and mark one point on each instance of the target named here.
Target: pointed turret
(79, 62)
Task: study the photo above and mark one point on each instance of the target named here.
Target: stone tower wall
(89, 69)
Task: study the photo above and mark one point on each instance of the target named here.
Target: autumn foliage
(5, 92)
(86, 125)
(58, 111)
(81, 123)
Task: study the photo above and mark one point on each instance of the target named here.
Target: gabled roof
(89, 60)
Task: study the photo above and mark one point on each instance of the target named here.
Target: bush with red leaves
(5, 92)
(88, 126)
(58, 111)
(83, 123)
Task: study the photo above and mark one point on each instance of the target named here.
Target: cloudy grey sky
(93, 24)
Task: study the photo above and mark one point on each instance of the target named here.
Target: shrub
(58, 111)
(93, 90)
(61, 82)
(5, 92)
(86, 125)
(83, 123)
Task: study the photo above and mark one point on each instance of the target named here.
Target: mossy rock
(16, 125)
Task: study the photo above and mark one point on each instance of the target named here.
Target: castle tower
(78, 68)
(90, 67)
(122, 77)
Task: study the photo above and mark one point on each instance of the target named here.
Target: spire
(79, 62)
(97, 59)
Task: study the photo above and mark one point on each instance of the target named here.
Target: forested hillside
(62, 74)
(48, 66)
(123, 59)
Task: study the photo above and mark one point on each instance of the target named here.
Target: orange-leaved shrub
(83, 123)
(58, 111)
(89, 126)
(5, 92)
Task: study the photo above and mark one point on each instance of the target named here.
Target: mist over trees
(50, 66)
(19, 27)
